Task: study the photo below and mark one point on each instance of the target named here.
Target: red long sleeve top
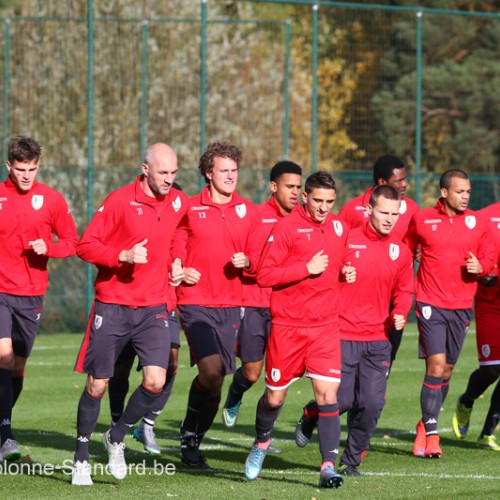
(442, 277)
(267, 215)
(127, 217)
(384, 272)
(206, 239)
(355, 214)
(489, 297)
(42, 212)
(299, 298)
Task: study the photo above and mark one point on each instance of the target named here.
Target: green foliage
(460, 107)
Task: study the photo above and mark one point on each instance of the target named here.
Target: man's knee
(252, 371)
(96, 387)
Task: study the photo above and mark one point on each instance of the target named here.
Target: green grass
(44, 423)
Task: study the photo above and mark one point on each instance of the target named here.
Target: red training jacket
(267, 215)
(42, 212)
(127, 217)
(298, 298)
(384, 272)
(206, 239)
(489, 297)
(355, 214)
(442, 277)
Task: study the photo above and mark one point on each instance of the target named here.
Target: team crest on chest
(37, 201)
(394, 251)
(337, 225)
(403, 207)
(241, 210)
(177, 204)
(470, 221)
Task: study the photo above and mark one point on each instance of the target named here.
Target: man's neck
(219, 198)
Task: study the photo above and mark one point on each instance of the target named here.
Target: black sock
(207, 416)
(88, 413)
(430, 401)
(17, 387)
(479, 381)
(444, 389)
(196, 403)
(265, 418)
(117, 389)
(161, 401)
(238, 387)
(138, 405)
(493, 416)
(6, 400)
(329, 431)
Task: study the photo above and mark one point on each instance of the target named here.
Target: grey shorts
(441, 331)
(253, 333)
(128, 354)
(20, 318)
(211, 330)
(111, 327)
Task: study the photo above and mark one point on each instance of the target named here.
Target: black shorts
(20, 320)
(442, 331)
(253, 333)
(128, 354)
(211, 331)
(111, 327)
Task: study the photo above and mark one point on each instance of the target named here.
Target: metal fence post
(314, 103)
(418, 111)
(5, 95)
(144, 87)
(90, 134)
(203, 80)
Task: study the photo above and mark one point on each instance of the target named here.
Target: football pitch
(44, 422)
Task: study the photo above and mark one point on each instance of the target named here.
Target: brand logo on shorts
(470, 221)
(403, 207)
(97, 321)
(275, 374)
(166, 323)
(394, 251)
(37, 201)
(337, 225)
(177, 204)
(485, 350)
(427, 312)
(38, 316)
(241, 210)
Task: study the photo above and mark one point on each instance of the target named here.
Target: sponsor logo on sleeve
(37, 201)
